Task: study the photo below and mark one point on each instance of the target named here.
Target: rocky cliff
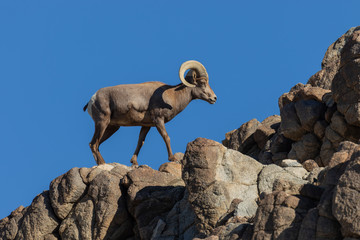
(293, 176)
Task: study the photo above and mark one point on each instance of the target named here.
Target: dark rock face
(346, 205)
(214, 177)
(150, 196)
(280, 216)
(110, 201)
(242, 139)
(39, 220)
(331, 62)
(345, 85)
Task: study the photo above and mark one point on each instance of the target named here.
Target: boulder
(310, 165)
(279, 147)
(308, 147)
(102, 210)
(180, 221)
(39, 219)
(9, 226)
(308, 226)
(331, 62)
(290, 123)
(345, 85)
(300, 109)
(214, 177)
(242, 139)
(266, 130)
(280, 215)
(173, 168)
(272, 173)
(150, 196)
(346, 205)
(309, 112)
(66, 190)
(319, 128)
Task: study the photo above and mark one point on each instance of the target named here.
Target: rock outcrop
(293, 176)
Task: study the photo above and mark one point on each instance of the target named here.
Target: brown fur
(149, 104)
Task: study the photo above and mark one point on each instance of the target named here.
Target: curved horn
(192, 64)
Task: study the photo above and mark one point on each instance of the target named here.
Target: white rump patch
(91, 102)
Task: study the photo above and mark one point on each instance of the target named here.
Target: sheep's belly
(132, 118)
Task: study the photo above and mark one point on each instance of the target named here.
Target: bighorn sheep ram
(149, 104)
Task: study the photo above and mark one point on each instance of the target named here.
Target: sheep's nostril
(215, 98)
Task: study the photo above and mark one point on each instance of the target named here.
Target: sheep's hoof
(134, 161)
(100, 162)
(172, 159)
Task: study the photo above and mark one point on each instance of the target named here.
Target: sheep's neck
(182, 98)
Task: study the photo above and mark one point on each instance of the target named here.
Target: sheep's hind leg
(143, 132)
(100, 128)
(110, 130)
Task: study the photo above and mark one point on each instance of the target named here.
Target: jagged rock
(338, 124)
(180, 221)
(337, 204)
(333, 137)
(272, 173)
(331, 62)
(326, 152)
(300, 109)
(242, 139)
(294, 167)
(319, 128)
(289, 163)
(346, 205)
(66, 190)
(279, 147)
(343, 153)
(316, 176)
(230, 231)
(346, 131)
(280, 215)
(178, 156)
(9, 226)
(39, 219)
(308, 226)
(173, 168)
(309, 112)
(214, 176)
(299, 172)
(310, 165)
(102, 210)
(327, 228)
(150, 196)
(302, 92)
(308, 147)
(345, 85)
(290, 123)
(266, 130)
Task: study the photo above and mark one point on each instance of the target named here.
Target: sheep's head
(198, 79)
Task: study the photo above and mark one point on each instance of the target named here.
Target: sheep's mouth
(211, 101)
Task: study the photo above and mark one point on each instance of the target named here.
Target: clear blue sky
(54, 55)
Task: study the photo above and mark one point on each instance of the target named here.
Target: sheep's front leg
(143, 132)
(160, 126)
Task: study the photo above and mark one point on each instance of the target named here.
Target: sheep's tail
(85, 107)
